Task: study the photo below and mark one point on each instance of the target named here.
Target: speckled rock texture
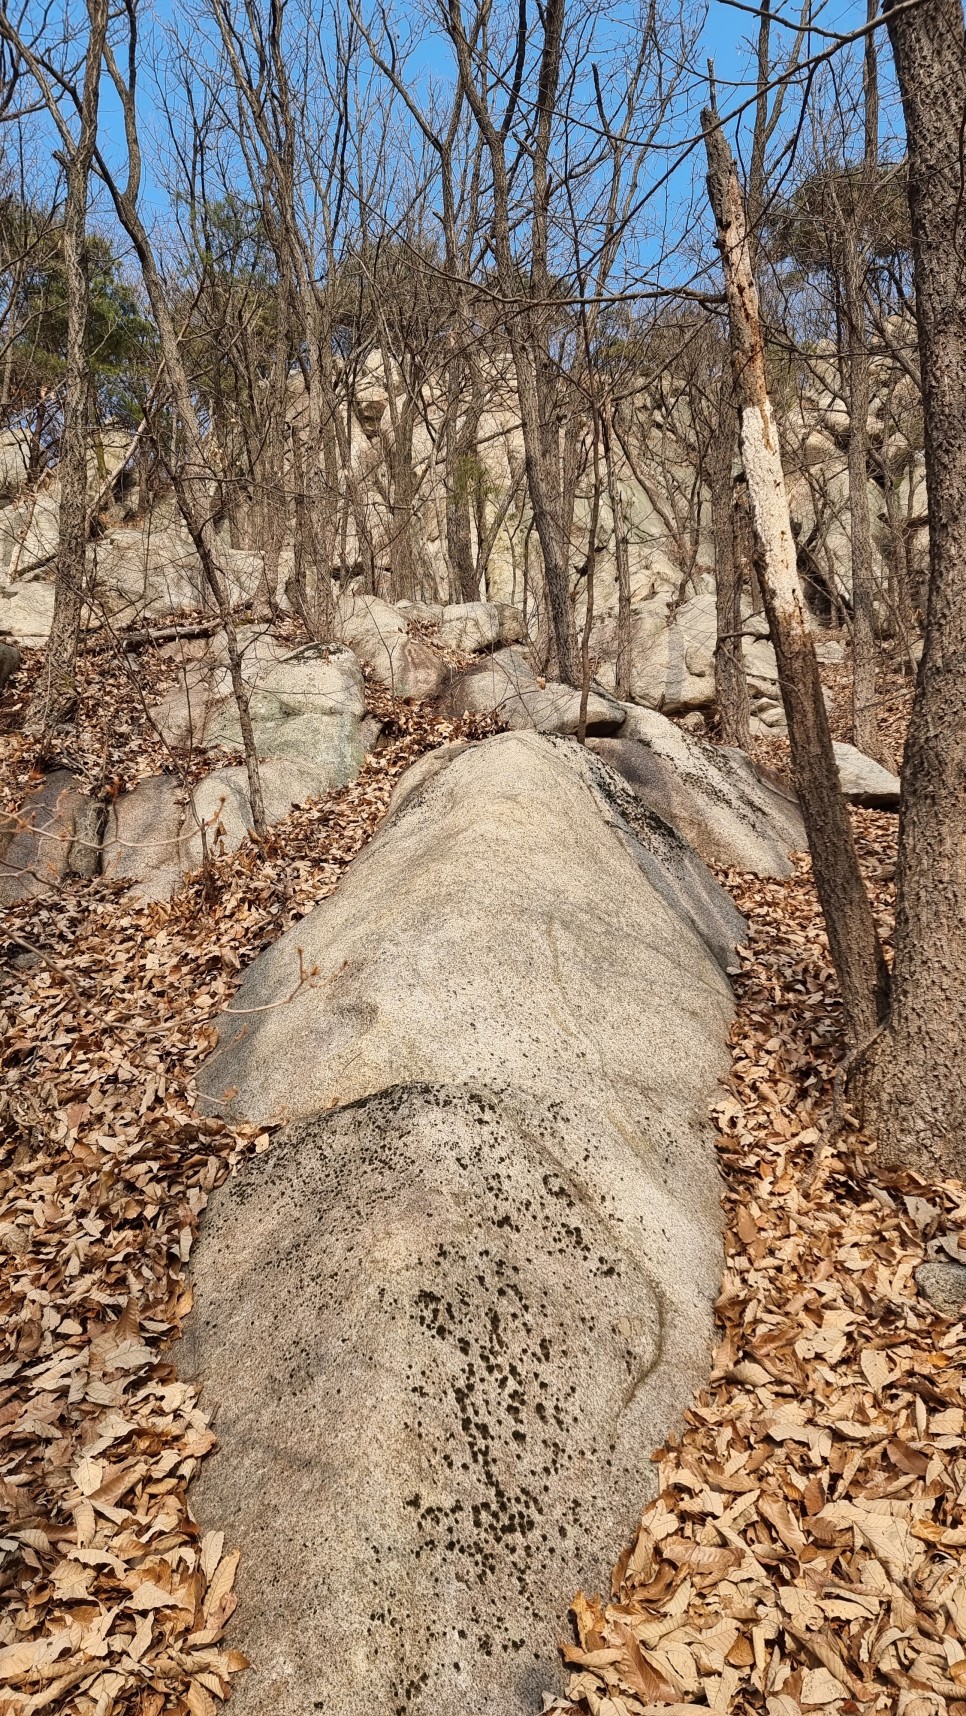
(446, 1317)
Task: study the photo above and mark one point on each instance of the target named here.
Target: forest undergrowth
(805, 1547)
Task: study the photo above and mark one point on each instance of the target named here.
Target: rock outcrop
(713, 796)
(54, 835)
(864, 781)
(446, 1316)
(504, 684)
(474, 627)
(27, 613)
(307, 708)
(379, 635)
(157, 833)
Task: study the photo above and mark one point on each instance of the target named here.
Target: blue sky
(727, 37)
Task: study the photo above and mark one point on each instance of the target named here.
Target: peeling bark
(853, 941)
(731, 686)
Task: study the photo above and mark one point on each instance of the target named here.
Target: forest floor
(805, 1549)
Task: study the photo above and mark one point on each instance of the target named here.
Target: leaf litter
(805, 1549)
(112, 1600)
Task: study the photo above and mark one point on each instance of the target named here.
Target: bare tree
(848, 916)
(56, 694)
(915, 1080)
(731, 686)
(528, 327)
(192, 476)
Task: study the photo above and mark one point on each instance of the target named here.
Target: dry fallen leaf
(834, 1415)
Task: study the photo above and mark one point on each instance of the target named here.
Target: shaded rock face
(27, 612)
(153, 834)
(305, 702)
(143, 838)
(446, 1316)
(713, 796)
(478, 626)
(155, 572)
(505, 685)
(48, 839)
(672, 654)
(307, 708)
(9, 662)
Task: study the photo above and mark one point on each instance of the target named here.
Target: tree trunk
(731, 686)
(542, 486)
(191, 475)
(623, 664)
(459, 447)
(865, 726)
(591, 578)
(854, 944)
(915, 1083)
(459, 536)
(274, 489)
(527, 328)
(55, 694)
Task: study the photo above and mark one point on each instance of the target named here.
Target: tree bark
(462, 421)
(854, 945)
(865, 726)
(914, 1085)
(731, 686)
(624, 661)
(527, 327)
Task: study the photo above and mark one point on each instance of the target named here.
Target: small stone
(944, 1285)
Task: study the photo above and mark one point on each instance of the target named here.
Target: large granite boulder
(220, 804)
(47, 839)
(672, 652)
(31, 529)
(307, 707)
(379, 635)
(157, 833)
(27, 612)
(713, 796)
(478, 626)
(146, 573)
(446, 1316)
(306, 704)
(143, 842)
(14, 462)
(472, 627)
(505, 685)
(864, 781)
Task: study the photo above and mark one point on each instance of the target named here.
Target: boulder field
(312, 734)
(446, 1316)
